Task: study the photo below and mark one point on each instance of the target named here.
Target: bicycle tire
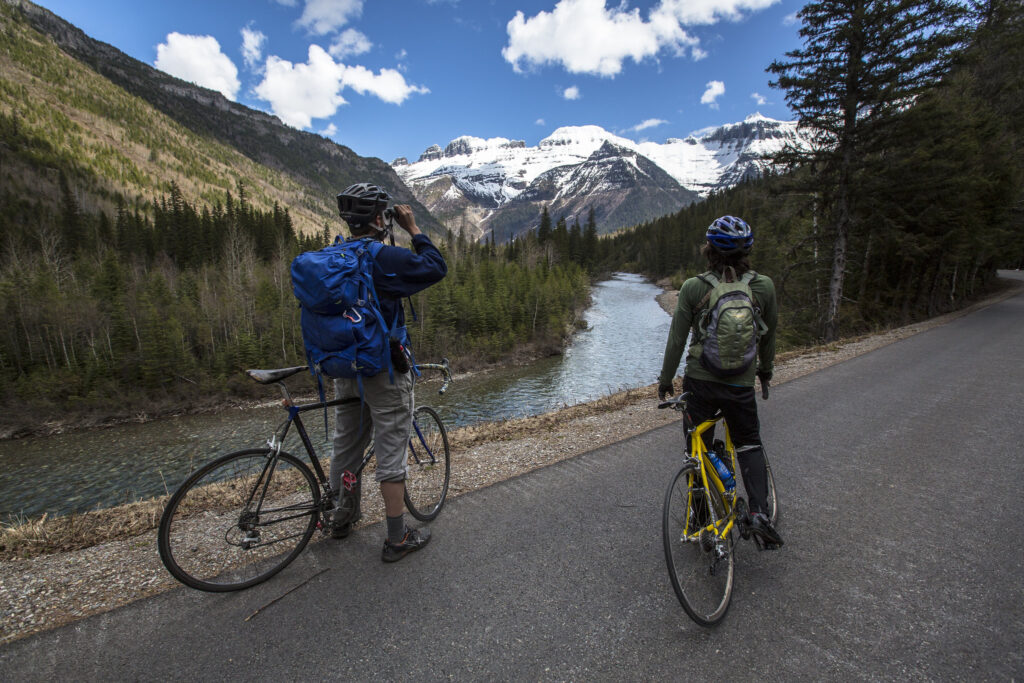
(773, 499)
(213, 538)
(702, 584)
(428, 465)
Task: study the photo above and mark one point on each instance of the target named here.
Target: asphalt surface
(899, 478)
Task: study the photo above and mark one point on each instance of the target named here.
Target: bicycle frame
(709, 476)
(294, 411)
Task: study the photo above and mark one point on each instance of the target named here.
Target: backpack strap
(762, 328)
(711, 279)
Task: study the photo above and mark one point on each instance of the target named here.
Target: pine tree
(862, 61)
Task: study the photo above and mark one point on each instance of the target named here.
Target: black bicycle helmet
(730, 235)
(359, 203)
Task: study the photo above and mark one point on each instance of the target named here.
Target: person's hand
(665, 390)
(764, 375)
(405, 219)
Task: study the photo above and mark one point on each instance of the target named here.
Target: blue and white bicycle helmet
(359, 203)
(730, 235)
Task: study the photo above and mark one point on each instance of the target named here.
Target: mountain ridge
(474, 181)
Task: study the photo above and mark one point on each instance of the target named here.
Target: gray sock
(396, 529)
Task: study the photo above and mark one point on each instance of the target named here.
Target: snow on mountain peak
(487, 174)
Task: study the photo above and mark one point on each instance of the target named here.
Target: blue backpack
(343, 329)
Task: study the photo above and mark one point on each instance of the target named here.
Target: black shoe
(346, 513)
(764, 533)
(414, 540)
(343, 529)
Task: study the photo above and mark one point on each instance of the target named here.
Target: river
(621, 348)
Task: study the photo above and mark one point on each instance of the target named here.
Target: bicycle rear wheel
(700, 565)
(238, 521)
(428, 465)
(773, 500)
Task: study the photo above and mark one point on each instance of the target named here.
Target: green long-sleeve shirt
(685, 319)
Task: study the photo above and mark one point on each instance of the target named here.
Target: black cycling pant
(739, 407)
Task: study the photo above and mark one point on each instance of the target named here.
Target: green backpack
(729, 326)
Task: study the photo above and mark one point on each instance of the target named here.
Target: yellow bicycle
(700, 521)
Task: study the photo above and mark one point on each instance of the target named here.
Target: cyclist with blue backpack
(384, 385)
(732, 313)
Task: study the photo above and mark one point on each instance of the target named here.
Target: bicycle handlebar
(445, 371)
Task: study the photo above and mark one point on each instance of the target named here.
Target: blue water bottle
(723, 472)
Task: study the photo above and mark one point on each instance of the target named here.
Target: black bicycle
(242, 518)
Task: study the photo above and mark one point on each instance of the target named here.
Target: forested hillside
(77, 111)
(902, 210)
(150, 314)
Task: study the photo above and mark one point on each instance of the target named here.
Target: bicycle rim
(701, 578)
(237, 521)
(428, 465)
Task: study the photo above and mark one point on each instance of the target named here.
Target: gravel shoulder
(52, 590)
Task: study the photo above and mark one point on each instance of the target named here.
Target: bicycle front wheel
(239, 520)
(428, 465)
(700, 564)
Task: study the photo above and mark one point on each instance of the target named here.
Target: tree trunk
(835, 289)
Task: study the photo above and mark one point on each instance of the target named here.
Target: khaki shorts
(385, 415)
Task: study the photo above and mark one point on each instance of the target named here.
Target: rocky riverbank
(48, 590)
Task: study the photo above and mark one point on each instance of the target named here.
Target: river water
(621, 348)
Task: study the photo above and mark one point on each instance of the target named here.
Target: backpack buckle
(356, 320)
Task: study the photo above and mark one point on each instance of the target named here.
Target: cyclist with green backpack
(732, 313)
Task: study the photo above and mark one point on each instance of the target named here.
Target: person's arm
(678, 332)
(770, 317)
(402, 272)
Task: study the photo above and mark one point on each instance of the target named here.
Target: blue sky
(390, 78)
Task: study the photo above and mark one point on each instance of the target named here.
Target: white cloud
(586, 36)
(715, 89)
(540, 122)
(697, 53)
(571, 93)
(389, 85)
(758, 98)
(299, 93)
(698, 12)
(790, 19)
(330, 131)
(401, 54)
(288, 3)
(649, 123)
(252, 46)
(198, 59)
(350, 42)
(321, 17)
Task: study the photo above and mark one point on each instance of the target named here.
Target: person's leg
(701, 404)
(392, 407)
(353, 429)
(740, 412)
(745, 429)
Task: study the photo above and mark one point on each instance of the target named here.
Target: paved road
(899, 475)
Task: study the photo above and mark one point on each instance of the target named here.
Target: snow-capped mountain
(497, 186)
